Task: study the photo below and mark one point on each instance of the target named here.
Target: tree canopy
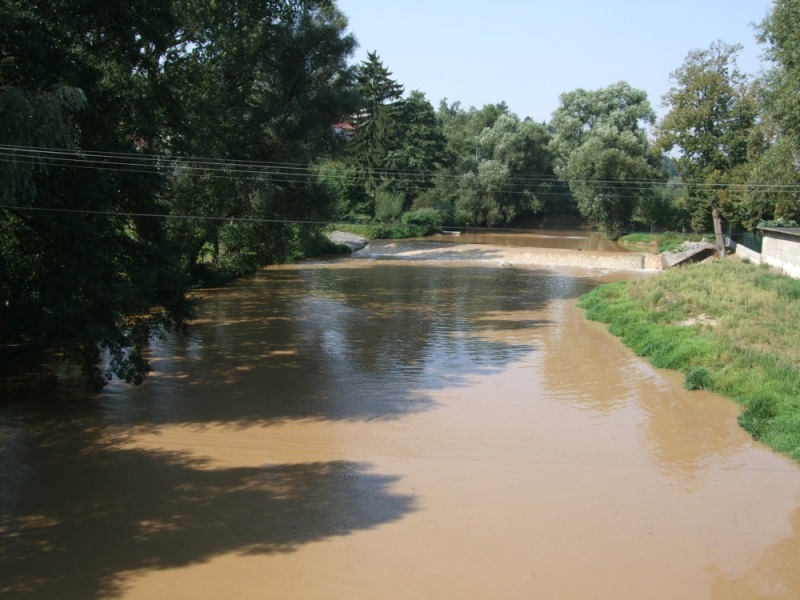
(601, 149)
(712, 111)
(113, 120)
(376, 123)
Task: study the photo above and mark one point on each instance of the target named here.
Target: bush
(388, 206)
(758, 415)
(699, 379)
(426, 217)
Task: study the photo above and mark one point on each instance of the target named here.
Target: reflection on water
(397, 430)
(344, 343)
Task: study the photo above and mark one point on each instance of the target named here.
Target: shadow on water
(81, 513)
(91, 514)
(343, 343)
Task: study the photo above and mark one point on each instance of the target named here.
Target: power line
(111, 213)
(170, 166)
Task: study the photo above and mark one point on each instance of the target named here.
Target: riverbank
(729, 327)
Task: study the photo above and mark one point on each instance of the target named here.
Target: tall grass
(730, 327)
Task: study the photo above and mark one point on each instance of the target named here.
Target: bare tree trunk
(718, 231)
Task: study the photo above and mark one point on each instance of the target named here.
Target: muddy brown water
(571, 239)
(374, 428)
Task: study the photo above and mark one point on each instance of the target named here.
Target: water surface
(368, 428)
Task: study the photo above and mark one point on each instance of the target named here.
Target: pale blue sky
(528, 53)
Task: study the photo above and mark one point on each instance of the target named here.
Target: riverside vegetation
(729, 326)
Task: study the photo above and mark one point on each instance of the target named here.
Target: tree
(342, 182)
(483, 195)
(780, 31)
(80, 272)
(522, 146)
(775, 172)
(461, 129)
(420, 149)
(260, 84)
(601, 149)
(120, 106)
(377, 122)
(712, 111)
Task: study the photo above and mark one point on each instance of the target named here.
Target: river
(395, 425)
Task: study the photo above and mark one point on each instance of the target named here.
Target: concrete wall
(743, 251)
(781, 249)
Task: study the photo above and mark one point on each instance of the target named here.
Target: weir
(508, 256)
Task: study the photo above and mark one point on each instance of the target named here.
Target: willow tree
(259, 85)
(81, 272)
(88, 265)
(711, 114)
(601, 150)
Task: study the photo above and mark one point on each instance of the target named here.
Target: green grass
(729, 327)
(667, 241)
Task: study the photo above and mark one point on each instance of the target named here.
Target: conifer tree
(377, 122)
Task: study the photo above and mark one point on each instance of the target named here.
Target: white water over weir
(508, 256)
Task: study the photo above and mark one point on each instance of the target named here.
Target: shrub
(426, 217)
(758, 414)
(699, 379)
(388, 206)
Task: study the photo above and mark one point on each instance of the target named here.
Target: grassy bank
(730, 327)
(666, 241)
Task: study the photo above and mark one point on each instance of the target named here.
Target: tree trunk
(718, 231)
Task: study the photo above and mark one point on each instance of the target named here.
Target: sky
(527, 53)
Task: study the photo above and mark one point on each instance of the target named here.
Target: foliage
(780, 33)
(76, 273)
(419, 149)
(385, 232)
(388, 206)
(500, 173)
(377, 121)
(123, 101)
(257, 81)
(778, 223)
(426, 217)
(342, 182)
(601, 149)
(462, 127)
(742, 346)
(772, 178)
(712, 111)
